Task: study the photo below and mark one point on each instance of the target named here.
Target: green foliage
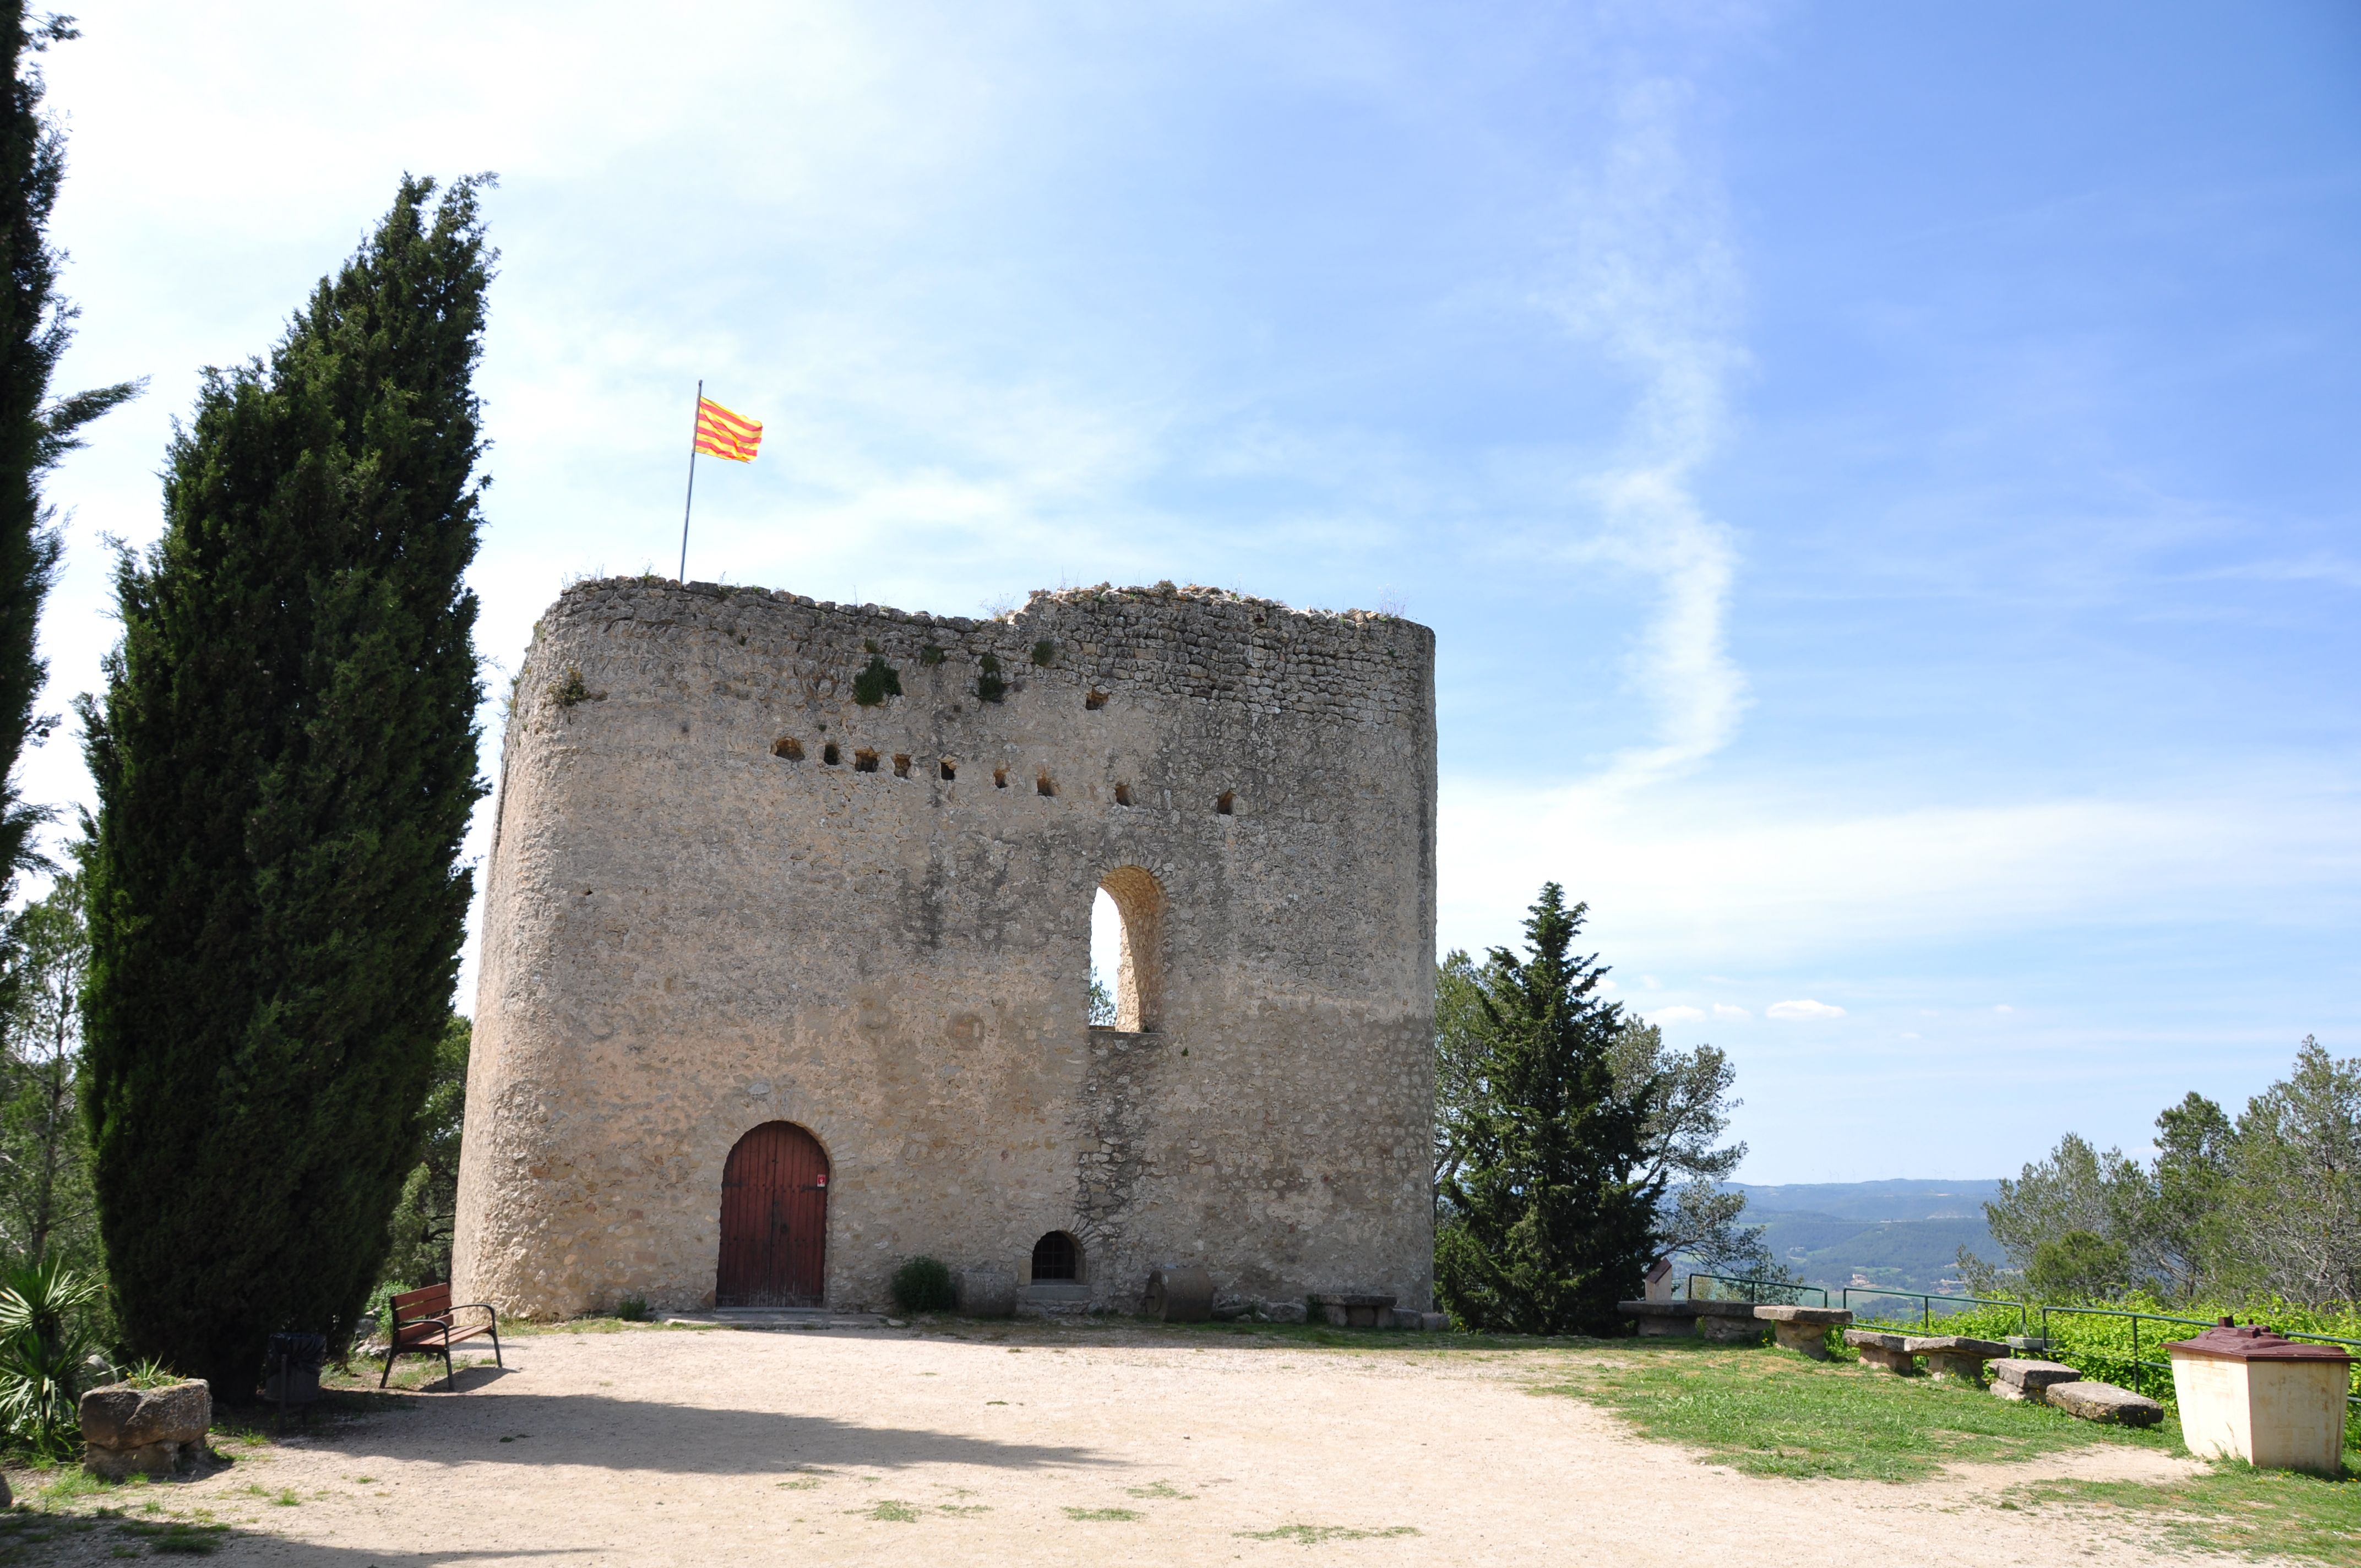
(151, 1374)
(2112, 1350)
(923, 1285)
(47, 1207)
(633, 1310)
(1774, 1413)
(569, 688)
(285, 763)
(877, 681)
(930, 655)
(426, 1214)
(1550, 1209)
(36, 327)
(2269, 1204)
(2079, 1266)
(1102, 1002)
(45, 1313)
(1045, 652)
(989, 686)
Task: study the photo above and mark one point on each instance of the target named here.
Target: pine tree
(285, 763)
(35, 326)
(1550, 1213)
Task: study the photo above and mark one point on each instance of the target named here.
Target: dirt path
(1087, 1445)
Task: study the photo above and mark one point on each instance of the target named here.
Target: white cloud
(1803, 1009)
(2003, 1008)
(1724, 1010)
(1676, 1014)
(1908, 1036)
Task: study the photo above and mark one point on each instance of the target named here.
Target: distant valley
(1906, 1235)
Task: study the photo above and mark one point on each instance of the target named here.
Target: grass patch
(180, 1538)
(1116, 1515)
(1162, 1489)
(1776, 1413)
(1314, 1534)
(965, 1510)
(888, 1511)
(2233, 1507)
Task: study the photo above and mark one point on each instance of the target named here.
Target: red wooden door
(773, 1220)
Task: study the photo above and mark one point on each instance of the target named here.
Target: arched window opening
(1057, 1257)
(1126, 951)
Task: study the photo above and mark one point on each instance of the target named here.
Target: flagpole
(691, 498)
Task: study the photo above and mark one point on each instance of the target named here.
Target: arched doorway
(773, 1220)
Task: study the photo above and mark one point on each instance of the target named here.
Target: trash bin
(2248, 1393)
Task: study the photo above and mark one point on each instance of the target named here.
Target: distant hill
(1906, 1235)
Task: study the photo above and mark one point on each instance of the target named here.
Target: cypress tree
(1549, 1219)
(35, 326)
(285, 763)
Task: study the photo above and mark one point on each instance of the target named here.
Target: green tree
(423, 1217)
(2079, 1266)
(35, 326)
(2292, 1209)
(1685, 1098)
(285, 763)
(1550, 1212)
(47, 1208)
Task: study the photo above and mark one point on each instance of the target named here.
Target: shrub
(633, 1310)
(923, 1285)
(43, 1341)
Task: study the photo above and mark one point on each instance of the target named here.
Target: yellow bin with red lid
(2248, 1393)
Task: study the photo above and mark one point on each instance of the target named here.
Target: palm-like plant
(44, 1335)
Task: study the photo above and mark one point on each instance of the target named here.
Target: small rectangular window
(865, 761)
(901, 767)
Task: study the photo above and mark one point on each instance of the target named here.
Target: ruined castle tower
(787, 937)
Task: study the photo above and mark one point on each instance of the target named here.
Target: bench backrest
(410, 1306)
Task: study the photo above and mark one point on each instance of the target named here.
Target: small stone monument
(145, 1431)
(989, 1291)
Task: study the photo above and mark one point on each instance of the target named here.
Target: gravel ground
(1096, 1444)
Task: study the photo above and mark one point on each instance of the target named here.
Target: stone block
(1890, 1352)
(2017, 1377)
(2104, 1402)
(149, 1431)
(1728, 1328)
(1955, 1356)
(1804, 1329)
(1346, 1310)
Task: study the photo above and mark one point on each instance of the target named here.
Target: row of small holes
(865, 762)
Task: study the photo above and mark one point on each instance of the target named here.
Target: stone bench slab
(1821, 1317)
(1954, 1344)
(2021, 1373)
(1888, 1352)
(2104, 1402)
(1804, 1329)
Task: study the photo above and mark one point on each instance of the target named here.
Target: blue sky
(1883, 477)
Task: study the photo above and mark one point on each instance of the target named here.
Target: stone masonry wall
(696, 923)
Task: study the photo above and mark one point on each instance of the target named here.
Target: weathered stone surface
(1730, 1329)
(1818, 1317)
(147, 1432)
(1659, 1320)
(695, 924)
(120, 1415)
(1954, 1344)
(1358, 1311)
(2104, 1402)
(1890, 1352)
(2017, 1372)
(984, 1292)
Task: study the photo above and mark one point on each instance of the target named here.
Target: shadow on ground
(535, 1431)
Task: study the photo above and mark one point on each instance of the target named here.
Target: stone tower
(798, 894)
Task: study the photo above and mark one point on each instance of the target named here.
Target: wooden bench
(423, 1323)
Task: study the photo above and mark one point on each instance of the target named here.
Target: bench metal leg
(389, 1367)
(495, 1349)
(450, 1379)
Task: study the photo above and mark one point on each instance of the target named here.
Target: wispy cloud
(1647, 272)
(1804, 1011)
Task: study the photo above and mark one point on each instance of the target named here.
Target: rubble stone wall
(696, 922)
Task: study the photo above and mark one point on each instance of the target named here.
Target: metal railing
(1754, 1288)
(2140, 1366)
(1926, 1302)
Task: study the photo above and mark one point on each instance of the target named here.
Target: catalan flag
(720, 433)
